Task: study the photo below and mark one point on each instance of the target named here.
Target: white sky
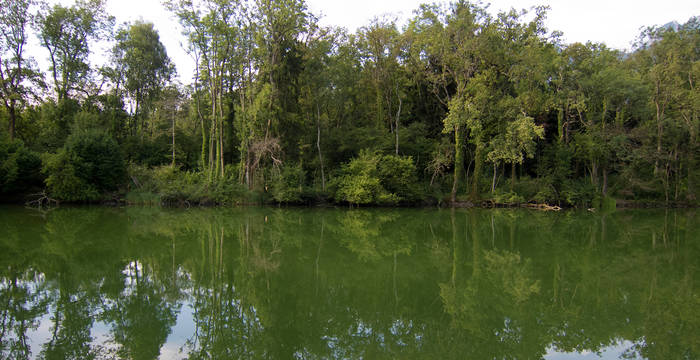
(614, 22)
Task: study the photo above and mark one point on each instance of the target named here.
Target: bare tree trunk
(660, 109)
(459, 163)
(318, 146)
(493, 181)
(398, 119)
(221, 130)
(173, 140)
(605, 181)
(199, 113)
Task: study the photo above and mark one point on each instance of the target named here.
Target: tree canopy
(283, 109)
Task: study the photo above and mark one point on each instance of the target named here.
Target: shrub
(578, 192)
(288, 184)
(379, 179)
(20, 168)
(89, 165)
(359, 189)
(398, 176)
(170, 185)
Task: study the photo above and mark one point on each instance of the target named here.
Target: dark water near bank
(145, 283)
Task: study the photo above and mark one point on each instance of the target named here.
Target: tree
(448, 40)
(146, 68)
(209, 28)
(512, 146)
(280, 25)
(668, 58)
(18, 73)
(381, 47)
(66, 33)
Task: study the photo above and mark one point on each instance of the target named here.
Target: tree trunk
(459, 163)
(493, 181)
(221, 130)
(13, 121)
(660, 109)
(318, 146)
(199, 113)
(173, 140)
(398, 118)
(560, 124)
(231, 130)
(512, 176)
(594, 174)
(605, 181)
(478, 162)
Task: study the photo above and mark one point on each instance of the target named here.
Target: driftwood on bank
(41, 200)
(543, 207)
(489, 204)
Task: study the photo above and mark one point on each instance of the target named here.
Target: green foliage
(578, 193)
(508, 197)
(20, 168)
(142, 58)
(64, 32)
(148, 151)
(456, 91)
(89, 165)
(169, 185)
(604, 203)
(397, 175)
(372, 178)
(288, 184)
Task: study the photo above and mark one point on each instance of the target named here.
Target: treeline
(458, 105)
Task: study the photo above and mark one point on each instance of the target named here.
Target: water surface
(269, 283)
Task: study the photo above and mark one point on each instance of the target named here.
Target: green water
(268, 283)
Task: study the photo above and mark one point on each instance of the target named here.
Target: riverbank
(252, 198)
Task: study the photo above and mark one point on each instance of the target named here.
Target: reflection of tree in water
(72, 318)
(369, 283)
(23, 299)
(140, 317)
(226, 325)
(21, 305)
(492, 305)
(69, 250)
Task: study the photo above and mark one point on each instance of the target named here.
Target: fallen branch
(543, 207)
(41, 200)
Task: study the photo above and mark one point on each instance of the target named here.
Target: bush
(376, 179)
(578, 192)
(398, 176)
(509, 197)
(288, 184)
(89, 165)
(170, 185)
(20, 169)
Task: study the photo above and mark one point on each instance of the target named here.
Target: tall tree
(66, 33)
(144, 63)
(210, 27)
(382, 49)
(448, 39)
(18, 73)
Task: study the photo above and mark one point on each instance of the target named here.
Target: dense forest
(457, 106)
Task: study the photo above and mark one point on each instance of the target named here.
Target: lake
(298, 283)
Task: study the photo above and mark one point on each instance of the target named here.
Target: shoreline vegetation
(458, 107)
